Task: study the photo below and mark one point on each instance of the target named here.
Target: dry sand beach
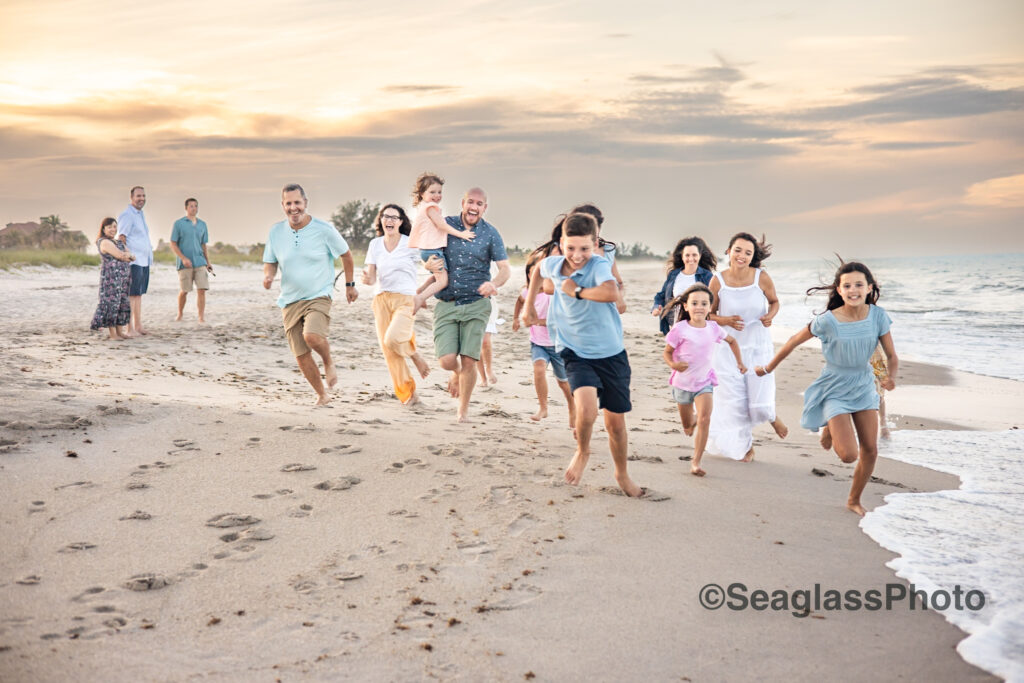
(173, 508)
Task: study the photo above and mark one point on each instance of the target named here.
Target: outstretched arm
(434, 214)
(796, 340)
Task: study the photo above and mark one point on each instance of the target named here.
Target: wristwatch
(577, 292)
(350, 284)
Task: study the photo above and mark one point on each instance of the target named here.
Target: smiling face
(741, 253)
(691, 258)
(854, 289)
(294, 205)
(473, 206)
(110, 230)
(139, 198)
(432, 194)
(698, 305)
(390, 220)
(578, 250)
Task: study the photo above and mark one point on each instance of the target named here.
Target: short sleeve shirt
(694, 346)
(539, 333)
(469, 261)
(306, 259)
(132, 224)
(396, 269)
(190, 239)
(591, 329)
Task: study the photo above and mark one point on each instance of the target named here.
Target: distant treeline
(49, 233)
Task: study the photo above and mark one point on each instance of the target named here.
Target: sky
(868, 129)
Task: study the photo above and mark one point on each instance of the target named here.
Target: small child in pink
(542, 350)
(689, 350)
(430, 233)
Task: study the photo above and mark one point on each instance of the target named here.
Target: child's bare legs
(484, 367)
(826, 438)
(856, 440)
(687, 417)
(618, 443)
(564, 386)
(586, 412)
(540, 383)
(882, 422)
(703, 404)
(430, 289)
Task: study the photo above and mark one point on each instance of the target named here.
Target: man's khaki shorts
(186, 276)
(308, 316)
(460, 329)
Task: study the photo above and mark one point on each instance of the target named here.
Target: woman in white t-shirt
(392, 265)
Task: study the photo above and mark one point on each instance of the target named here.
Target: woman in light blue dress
(844, 395)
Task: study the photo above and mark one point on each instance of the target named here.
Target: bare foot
(574, 472)
(689, 430)
(629, 487)
(697, 471)
(461, 417)
(322, 400)
(749, 457)
(331, 375)
(855, 506)
(826, 439)
(413, 400)
(421, 364)
(202, 321)
(142, 331)
(540, 415)
(482, 384)
(492, 379)
(178, 319)
(780, 428)
(453, 385)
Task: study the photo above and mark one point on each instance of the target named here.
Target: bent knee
(847, 456)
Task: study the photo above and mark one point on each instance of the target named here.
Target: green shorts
(460, 329)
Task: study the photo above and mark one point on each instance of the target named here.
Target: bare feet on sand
(780, 428)
(492, 379)
(461, 417)
(749, 457)
(331, 375)
(539, 415)
(689, 430)
(826, 439)
(322, 400)
(178, 318)
(414, 400)
(141, 331)
(855, 506)
(629, 487)
(697, 471)
(453, 385)
(421, 364)
(574, 472)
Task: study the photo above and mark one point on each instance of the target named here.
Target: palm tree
(54, 227)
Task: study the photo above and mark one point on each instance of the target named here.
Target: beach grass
(58, 258)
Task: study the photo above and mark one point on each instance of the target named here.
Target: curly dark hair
(405, 227)
(707, 257)
(424, 181)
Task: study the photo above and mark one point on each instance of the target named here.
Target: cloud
(1003, 193)
(845, 42)
(19, 143)
(921, 98)
(107, 111)
(911, 201)
(897, 146)
(412, 88)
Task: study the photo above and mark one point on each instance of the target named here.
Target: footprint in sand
(449, 451)
(76, 547)
(402, 513)
(520, 595)
(147, 582)
(373, 421)
(293, 428)
(502, 495)
(136, 485)
(250, 534)
(521, 524)
(649, 495)
(435, 494)
(343, 449)
(279, 492)
(349, 430)
(644, 458)
(30, 580)
(301, 511)
(230, 519)
(338, 484)
(37, 506)
(138, 514)
(297, 467)
(83, 484)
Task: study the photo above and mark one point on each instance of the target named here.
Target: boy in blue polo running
(588, 336)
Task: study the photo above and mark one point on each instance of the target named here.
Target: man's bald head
(474, 203)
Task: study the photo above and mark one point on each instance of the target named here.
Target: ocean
(964, 312)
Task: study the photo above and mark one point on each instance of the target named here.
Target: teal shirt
(592, 329)
(305, 258)
(190, 239)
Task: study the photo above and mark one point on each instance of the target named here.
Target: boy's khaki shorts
(308, 316)
(186, 276)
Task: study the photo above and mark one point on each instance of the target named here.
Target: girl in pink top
(430, 233)
(542, 349)
(689, 350)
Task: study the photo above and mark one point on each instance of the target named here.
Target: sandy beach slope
(173, 508)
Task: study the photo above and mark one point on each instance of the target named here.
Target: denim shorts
(138, 280)
(683, 397)
(425, 255)
(548, 355)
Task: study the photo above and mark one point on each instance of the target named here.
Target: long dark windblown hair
(835, 300)
(707, 258)
(762, 250)
(676, 303)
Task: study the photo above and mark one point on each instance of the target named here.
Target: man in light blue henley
(305, 249)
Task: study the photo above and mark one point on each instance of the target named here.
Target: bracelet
(350, 284)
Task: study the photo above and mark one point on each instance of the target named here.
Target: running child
(689, 351)
(843, 396)
(588, 336)
(881, 372)
(430, 234)
(542, 349)
(486, 365)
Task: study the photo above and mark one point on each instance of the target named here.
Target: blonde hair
(422, 184)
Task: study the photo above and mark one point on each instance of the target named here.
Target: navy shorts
(548, 355)
(609, 375)
(138, 282)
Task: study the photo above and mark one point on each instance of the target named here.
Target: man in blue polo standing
(134, 234)
(464, 306)
(305, 248)
(188, 242)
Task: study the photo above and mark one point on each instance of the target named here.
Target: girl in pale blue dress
(844, 397)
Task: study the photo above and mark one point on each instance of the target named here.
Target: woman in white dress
(745, 301)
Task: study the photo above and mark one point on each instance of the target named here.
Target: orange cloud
(1002, 193)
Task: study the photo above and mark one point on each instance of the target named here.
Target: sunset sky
(869, 128)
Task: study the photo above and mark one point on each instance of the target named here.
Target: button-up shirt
(132, 224)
